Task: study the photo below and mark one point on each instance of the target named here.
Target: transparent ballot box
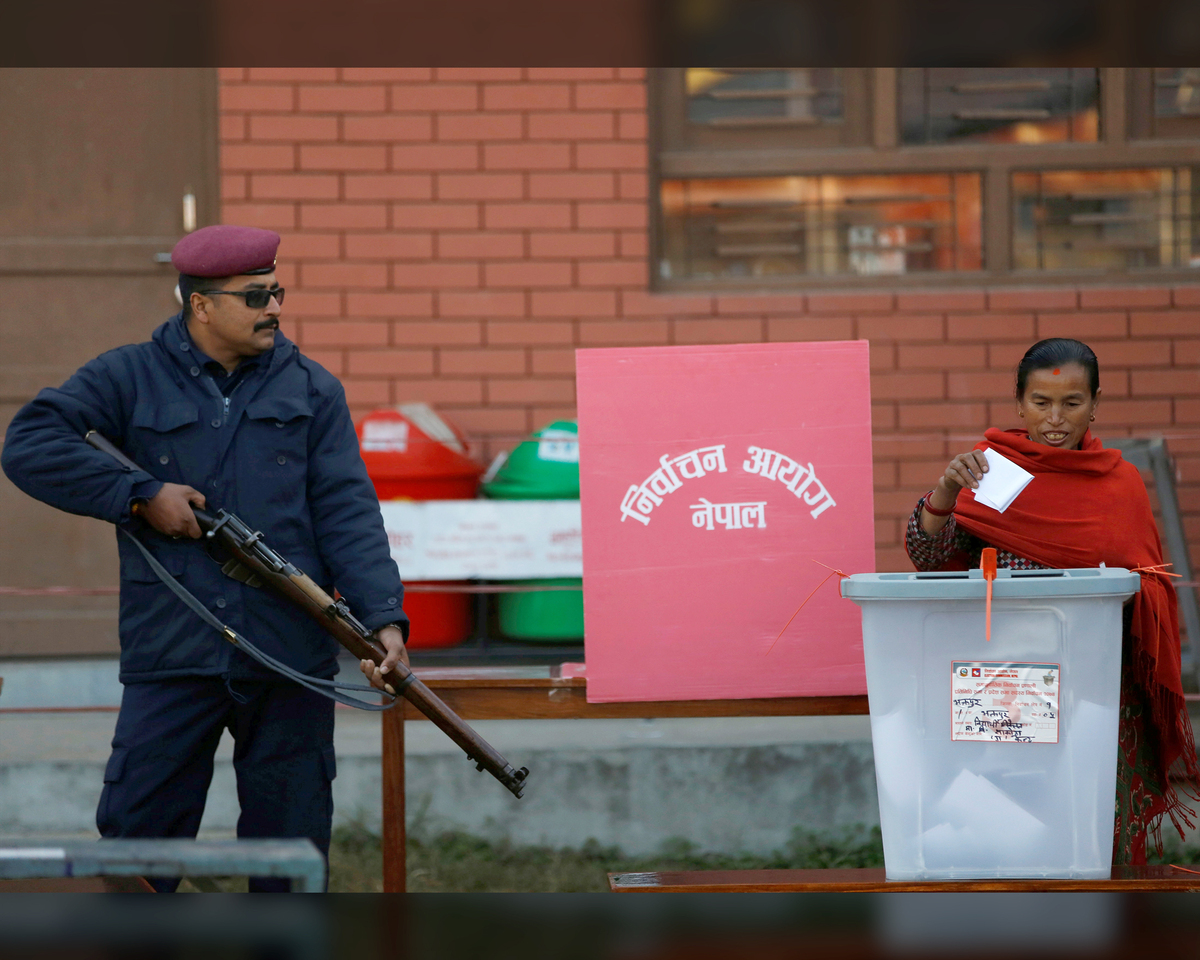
(994, 758)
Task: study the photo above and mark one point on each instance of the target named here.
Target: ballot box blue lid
(1009, 584)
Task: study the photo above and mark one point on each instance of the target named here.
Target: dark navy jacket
(281, 454)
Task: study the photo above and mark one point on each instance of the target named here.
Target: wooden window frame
(678, 134)
(880, 153)
(1144, 125)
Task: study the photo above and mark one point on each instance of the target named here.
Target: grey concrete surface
(722, 784)
(57, 682)
(82, 682)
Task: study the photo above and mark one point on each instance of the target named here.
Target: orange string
(1155, 569)
(832, 572)
(1174, 866)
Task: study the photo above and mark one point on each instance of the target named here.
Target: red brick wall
(452, 235)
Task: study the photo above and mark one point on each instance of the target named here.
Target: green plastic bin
(543, 614)
(544, 467)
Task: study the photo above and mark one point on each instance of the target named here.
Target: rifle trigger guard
(243, 574)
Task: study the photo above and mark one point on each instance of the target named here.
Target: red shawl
(1086, 507)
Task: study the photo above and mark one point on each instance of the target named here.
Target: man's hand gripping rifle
(256, 564)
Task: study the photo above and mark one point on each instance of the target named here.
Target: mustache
(265, 324)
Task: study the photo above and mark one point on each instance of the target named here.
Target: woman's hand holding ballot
(965, 470)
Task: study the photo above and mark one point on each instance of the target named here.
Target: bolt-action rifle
(257, 565)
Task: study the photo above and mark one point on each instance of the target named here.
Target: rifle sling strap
(326, 688)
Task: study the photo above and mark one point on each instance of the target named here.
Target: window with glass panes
(784, 177)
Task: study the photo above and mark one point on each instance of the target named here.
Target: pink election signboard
(714, 482)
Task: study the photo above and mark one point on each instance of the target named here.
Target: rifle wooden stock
(257, 562)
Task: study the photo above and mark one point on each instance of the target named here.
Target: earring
(1093, 416)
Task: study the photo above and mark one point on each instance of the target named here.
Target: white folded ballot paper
(1002, 483)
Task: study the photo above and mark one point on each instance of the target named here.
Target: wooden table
(496, 694)
(872, 880)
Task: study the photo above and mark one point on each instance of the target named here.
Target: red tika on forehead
(1057, 371)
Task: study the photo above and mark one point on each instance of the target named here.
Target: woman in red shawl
(1085, 506)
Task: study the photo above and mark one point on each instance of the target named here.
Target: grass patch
(455, 862)
(1173, 851)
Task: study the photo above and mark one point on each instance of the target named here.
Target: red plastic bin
(412, 453)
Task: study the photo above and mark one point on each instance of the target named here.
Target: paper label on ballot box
(1004, 702)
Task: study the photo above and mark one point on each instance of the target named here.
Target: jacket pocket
(165, 417)
(275, 441)
(280, 410)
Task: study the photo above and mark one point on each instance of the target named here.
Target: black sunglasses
(255, 299)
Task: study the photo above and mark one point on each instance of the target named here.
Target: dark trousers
(157, 779)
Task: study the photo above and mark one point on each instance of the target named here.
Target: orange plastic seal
(987, 563)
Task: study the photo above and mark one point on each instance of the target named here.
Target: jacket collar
(174, 338)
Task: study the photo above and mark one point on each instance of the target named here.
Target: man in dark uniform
(218, 406)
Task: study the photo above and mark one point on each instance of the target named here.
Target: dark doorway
(95, 165)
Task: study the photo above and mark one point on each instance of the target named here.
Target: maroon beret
(226, 251)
